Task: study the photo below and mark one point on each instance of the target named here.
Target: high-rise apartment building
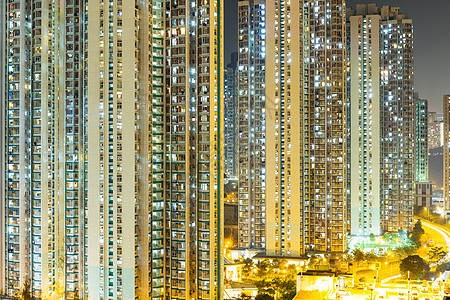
(435, 131)
(230, 115)
(306, 207)
(423, 187)
(446, 183)
(251, 122)
(382, 116)
(131, 100)
(155, 149)
(42, 160)
(421, 144)
(364, 39)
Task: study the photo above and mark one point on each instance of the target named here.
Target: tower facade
(251, 123)
(365, 106)
(397, 119)
(423, 187)
(43, 198)
(446, 130)
(306, 207)
(382, 120)
(155, 150)
(112, 187)
(230, 121)
(421, 121)
(435, 131)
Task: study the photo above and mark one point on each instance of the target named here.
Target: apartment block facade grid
(435, 131)
(364, 31)
(383, 115)
(112, 170)
(421, 145)
(230, 120)
(397, 120)
(306, 71)
(152, 143)
(43, 164)
(251, 124)
(446, 184)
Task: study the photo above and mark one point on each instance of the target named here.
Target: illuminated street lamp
(428, 213)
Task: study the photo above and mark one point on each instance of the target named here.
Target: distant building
(251, 117)
(230, 117)
(446, 162)
(435, 131)
(382, 120)
(423, 187)
(421, 144)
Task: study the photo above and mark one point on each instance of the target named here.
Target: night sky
(431, 21)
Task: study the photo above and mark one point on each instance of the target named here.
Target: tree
(278, 264)
(358, 255)
(372, 237)
(287, 289)
(264, 297)
(417, 233)
(415, 265)
(244, 297)
(247, 268)
(387, 237)
(399, 253)
(436, 253)
(370, 256)
(264, 286)
(25, 292)
(262, 268)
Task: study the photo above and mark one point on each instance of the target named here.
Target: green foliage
(314, 260)
(25, 292)
(274, 279)
(265, 286)
(286, 289)
(278, 264)
(415, 265)
(436, 253)
(399, 253)
(264, 297)
(262, 268)
(247, 268)
(358, 255)
(244, 297)
(387, 237)
(416, 234)
(442, 268)
(372, 237)
(370, 256)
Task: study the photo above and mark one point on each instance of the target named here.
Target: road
(444, 234)
(387, 270)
